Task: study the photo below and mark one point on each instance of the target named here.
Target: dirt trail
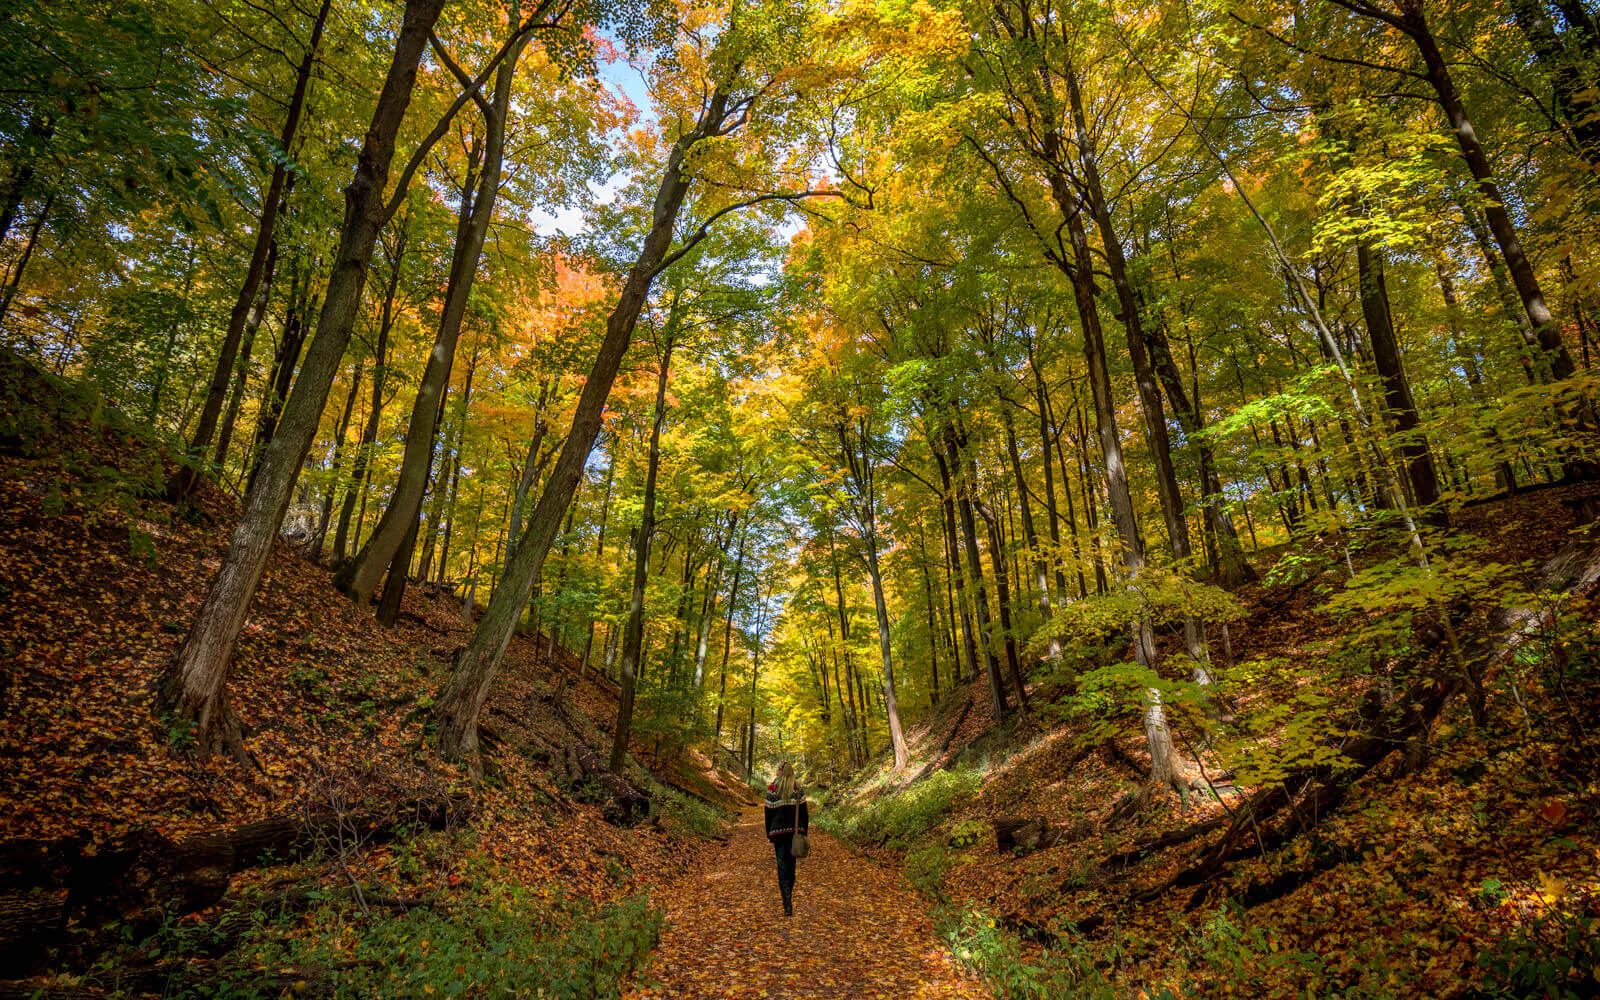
(856, 932)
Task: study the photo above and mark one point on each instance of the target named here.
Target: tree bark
(359, 577)
(1143, 376)
(633, 635)
(1396, 388)
(283, 364)
(334, 464)
(1555, 363)
(1003, 592)
(241, 377)
(727, 634)
(369, 433)
(195, 683)
(957, 574)
(980, 599)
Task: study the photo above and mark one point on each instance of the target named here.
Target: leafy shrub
(1558, 957)
(689, 812)
(1066, 970)
(899, 818)
(925, 868)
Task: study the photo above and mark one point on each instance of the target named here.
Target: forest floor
(858, 931)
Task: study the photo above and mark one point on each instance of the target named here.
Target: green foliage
(925, 869)
(688, 812)
(1232, 954)
(899, 818)
(1294, 730)
(1066, 969)
(968, 832)
(495, 941)
(1556, 958)
(1164, 594)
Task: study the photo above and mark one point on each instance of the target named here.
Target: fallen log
(1140, 851)
(1022, 836)
(1386, 726)
(143, 878)
(624, 804)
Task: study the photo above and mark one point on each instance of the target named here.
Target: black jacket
(786, 817)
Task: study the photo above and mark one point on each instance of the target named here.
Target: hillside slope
(1460, 865)
(111, 823)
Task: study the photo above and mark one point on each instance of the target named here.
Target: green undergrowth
(687, 812)
(1220, 952)
(493, 940)
(898, 819)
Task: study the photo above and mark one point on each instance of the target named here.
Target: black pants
(785, 859)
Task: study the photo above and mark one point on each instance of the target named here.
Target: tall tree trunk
(27, 255)
(1143, 376)
(727, 634)
(1554, 363)
(930, 605)
(241, 376)
(1571, 69)
(283, 366)
(1002, 588)
(463, 696)
(599, 558)
(891, 705)
(633, 635)
(359, 577)
(1505, 475)
(709, 612)
(394, 584)
(1232, 570)
(1396, 388)
(195, 683)
(1041, 568)
(334, 464)
(1163, 756)
(858, 700)
(980, 599)
(380, 371)
(445, 509)
(184, 479)
(957, 574)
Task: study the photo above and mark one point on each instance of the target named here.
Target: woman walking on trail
(786, 817)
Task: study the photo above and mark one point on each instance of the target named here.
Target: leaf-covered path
(855, 932)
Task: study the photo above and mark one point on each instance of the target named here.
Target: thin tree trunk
(969, 531)
(1396, 388)
(1041, 568)
(727, 634)
(186, 476)
(369, 433)
(359, 577)
(633, 635)
(394, 585)
(241, 375)
(333, 469)
(1002, 588)
(957, 574)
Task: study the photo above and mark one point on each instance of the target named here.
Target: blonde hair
(785, 781)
